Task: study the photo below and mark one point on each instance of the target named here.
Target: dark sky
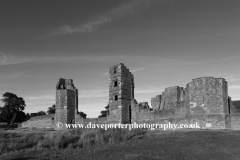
(164, 42)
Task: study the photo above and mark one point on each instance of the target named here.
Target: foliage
(51, 110)
(21, 117)
(28, 116)
(82, 114)
(105, 112)
(13, 108)
(39, 113)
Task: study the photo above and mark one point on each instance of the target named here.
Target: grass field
(116, 144)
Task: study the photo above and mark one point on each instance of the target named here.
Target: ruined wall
(207, 101)
(66, 101)
(102, 120)
(235, 121)
(46, 121)
(61, 106)
(204, 100)
(235, 107)
(171, 97)
(121, 91)
(235, 115)
(207, 95)
(146, 115)
(156, 102)
(168, 107)
(40, 121)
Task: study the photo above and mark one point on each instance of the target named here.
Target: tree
(27, 117)
(21, 117)
(105, 112)
(82, 114)
(39, 113)
(51, 110)
(13, 107)
(1, 115)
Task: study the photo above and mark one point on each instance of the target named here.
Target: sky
(163, 42)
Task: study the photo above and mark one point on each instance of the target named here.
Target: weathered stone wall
(156, 102)
(66, 101)
(40, 121)
(171, 97)
(71, 106)
(205, 100)
(61, 106)
(235, 107)
(115, 115)
(235, 115)
(102, 120)
(121, 91)
(48, 121)
(235, 121)
(146, 115)
(208, 102)
(207, 95)
(48, 116)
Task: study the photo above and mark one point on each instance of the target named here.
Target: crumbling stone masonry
(121, 92)
(171, 97)
(66, 102)
(40, 121)
(204, 100)
(156, 102)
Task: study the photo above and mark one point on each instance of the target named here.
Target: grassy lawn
(120, 144)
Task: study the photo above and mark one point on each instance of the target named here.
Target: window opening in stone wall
(114, 70)
(116, 97)
(115, 83)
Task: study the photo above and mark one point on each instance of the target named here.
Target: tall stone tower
(66, 102)
(121, 92)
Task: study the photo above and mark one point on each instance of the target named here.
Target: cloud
(148, 89)
(39, 101)
(93, 93)
(234, 87)
(11, 76)
(45, 97)
(232, 79)
(137, 69)
(8, 59)
(85, 28)
(127, 8)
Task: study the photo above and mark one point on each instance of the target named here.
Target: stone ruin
(66, 102)
(121, 92)
(204, 100)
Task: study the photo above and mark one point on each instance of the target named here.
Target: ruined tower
(66, 101)
(121, 92)
(208, 102)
